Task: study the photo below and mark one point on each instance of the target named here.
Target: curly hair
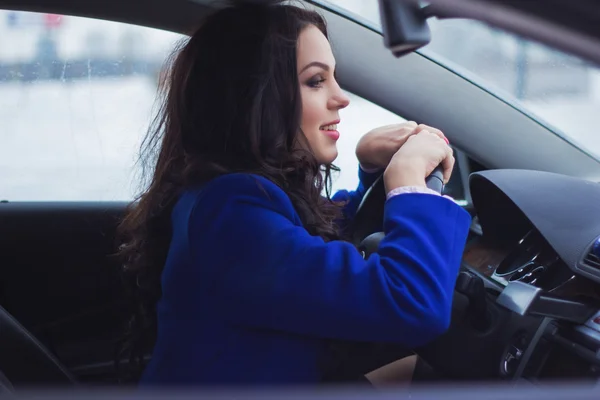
(229, 102)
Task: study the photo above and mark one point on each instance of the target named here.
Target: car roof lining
(180, 16)
(413, 86)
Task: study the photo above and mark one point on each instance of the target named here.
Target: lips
(330, 130)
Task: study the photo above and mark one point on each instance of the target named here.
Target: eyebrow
(315, 64)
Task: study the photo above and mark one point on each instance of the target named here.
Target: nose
(339, 99)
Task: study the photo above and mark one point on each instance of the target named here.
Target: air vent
(592, 258)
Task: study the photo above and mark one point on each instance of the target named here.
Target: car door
(75, 99)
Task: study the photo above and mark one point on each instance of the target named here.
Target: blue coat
(249, 296)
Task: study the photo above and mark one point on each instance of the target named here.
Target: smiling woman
(322, 97)
(240, 266)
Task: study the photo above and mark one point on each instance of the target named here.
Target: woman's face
(322, 97)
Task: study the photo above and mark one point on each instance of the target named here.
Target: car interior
(527, 298)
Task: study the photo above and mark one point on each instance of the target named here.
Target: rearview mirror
(404, 24)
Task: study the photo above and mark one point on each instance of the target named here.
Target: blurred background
(77, 95)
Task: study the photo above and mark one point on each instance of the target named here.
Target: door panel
(60, 279)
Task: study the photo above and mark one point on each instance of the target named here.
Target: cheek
(310, 113)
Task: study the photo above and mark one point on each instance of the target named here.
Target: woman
(237, 257)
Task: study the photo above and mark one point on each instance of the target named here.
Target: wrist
(403, 176)
(410, 189)
(364, 155)
(369, 168)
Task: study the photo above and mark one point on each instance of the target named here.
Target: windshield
(560, 91)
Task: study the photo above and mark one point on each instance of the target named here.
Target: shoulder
(241, 182)
(241, 185)
(238, 190)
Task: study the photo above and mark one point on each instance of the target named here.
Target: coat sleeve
(270, 273)
(352, 198)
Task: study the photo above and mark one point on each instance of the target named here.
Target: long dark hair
(230, 102)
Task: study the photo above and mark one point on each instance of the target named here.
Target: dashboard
(527, 302)
(532, 261)
(547, 213)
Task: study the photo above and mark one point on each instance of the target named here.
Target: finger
(448, 164)
(404, 131)
(423, 127)
(407, 126)
(434, 136)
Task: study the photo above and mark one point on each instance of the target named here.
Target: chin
(328, 156)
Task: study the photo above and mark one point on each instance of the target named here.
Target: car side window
(76, 97)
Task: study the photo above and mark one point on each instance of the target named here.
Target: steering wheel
(368, 220)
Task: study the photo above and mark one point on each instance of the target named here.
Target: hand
(375, 149)
(417, 159)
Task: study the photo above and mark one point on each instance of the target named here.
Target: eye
(315, 82)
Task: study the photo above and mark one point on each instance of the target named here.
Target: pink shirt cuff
(413, 189)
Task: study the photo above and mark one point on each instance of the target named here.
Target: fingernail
(446, 140)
